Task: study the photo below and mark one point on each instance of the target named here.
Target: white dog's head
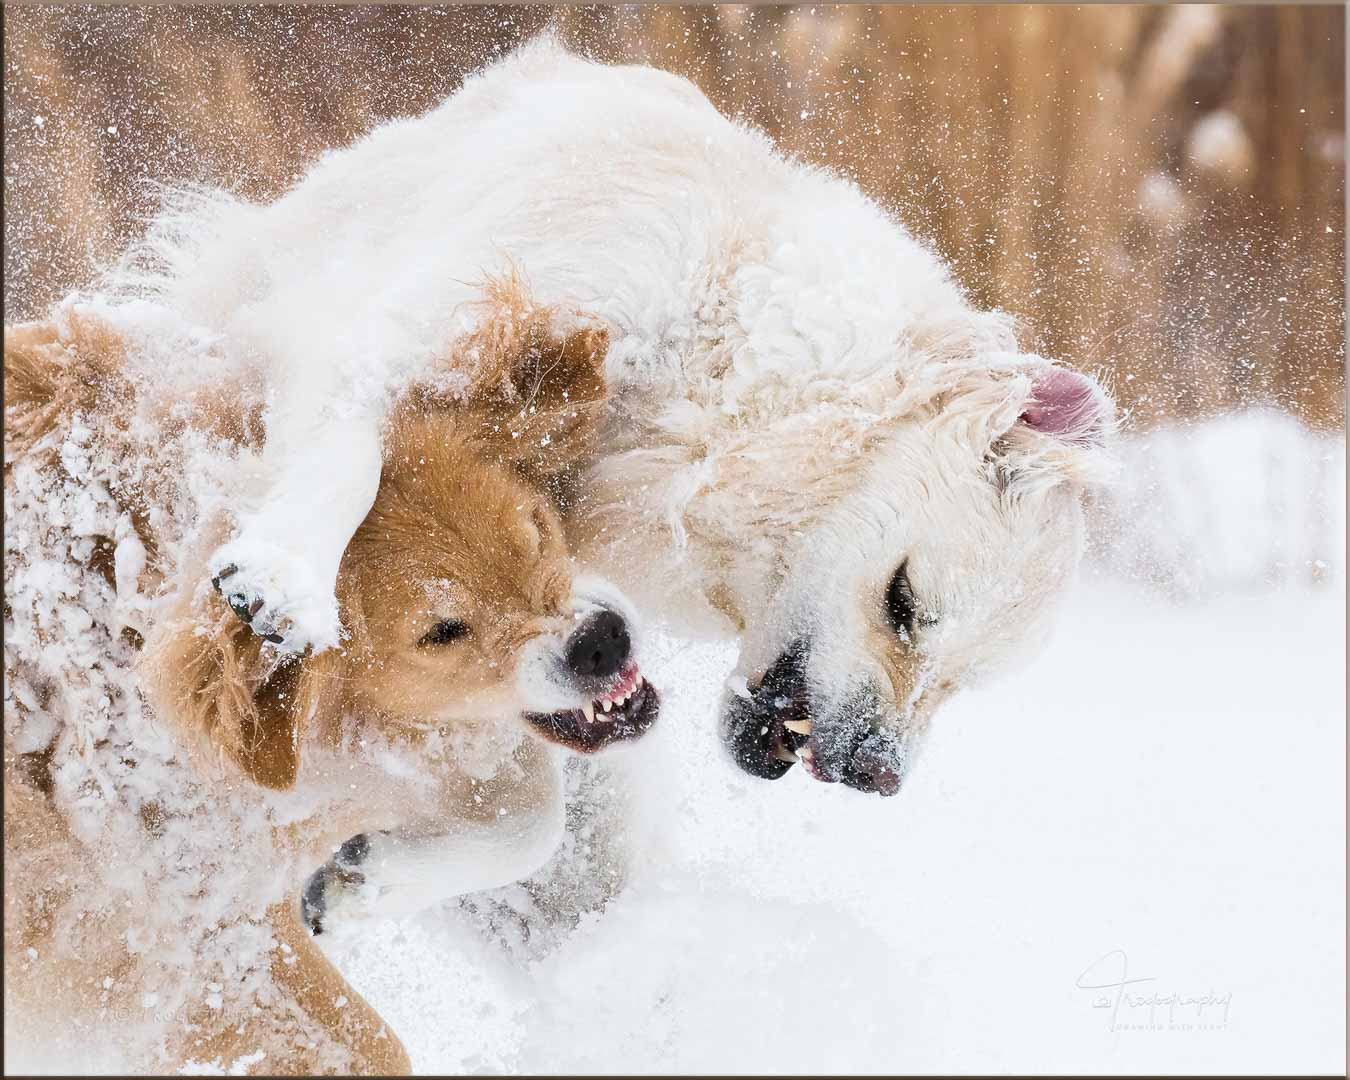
(953, 532)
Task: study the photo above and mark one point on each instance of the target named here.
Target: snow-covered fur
(811, 430)
(173, 782)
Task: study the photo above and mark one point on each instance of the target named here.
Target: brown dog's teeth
(801, 727)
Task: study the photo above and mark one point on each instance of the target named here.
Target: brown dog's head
(457, 595)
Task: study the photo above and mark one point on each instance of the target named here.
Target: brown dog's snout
(600, 647)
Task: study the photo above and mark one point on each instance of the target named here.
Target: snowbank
(1243, 502)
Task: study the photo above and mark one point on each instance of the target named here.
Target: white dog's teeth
(606, 705)
(784, 754)
(588, 711)
(801, 727)
(806, 753)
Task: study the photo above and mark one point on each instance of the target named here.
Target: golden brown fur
(463, 499)
(50, 375)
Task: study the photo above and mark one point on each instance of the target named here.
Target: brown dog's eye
(444, 632)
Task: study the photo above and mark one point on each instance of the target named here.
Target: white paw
(277, 593)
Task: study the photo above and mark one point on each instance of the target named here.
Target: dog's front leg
(279, 573)
(402, 871)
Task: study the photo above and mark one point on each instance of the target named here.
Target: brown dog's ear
(210, 674)
(553, 416)
(52, 371)
(34, 373)
(533, 374)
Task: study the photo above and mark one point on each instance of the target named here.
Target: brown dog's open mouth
(626, 711)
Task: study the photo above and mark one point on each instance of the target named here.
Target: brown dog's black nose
(600, 647)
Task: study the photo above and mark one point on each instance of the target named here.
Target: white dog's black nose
(600, 647)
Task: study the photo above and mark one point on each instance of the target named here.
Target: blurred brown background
(1157, 191)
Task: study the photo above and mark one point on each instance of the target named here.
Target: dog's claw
(239, 605)
(224, 573)
(313, 904)
(247, 610)
(275, 589)
(330, 877)
(276, 603)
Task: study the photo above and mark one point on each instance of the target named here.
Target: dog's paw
(338, 889)
(277, 595)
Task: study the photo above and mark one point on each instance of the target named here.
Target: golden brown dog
(176, 787)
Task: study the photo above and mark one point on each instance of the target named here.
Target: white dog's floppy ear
(1069, 406)
(1061, 433)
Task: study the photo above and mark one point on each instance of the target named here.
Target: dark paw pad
(353, 852)
(324, 884)
(244, 606)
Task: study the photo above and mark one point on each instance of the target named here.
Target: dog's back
(134, 881)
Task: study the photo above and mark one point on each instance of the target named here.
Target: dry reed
(1157, 192)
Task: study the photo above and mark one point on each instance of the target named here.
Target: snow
(1159, 797)
(1126, 857)
(1219, 142)
(167, 857)
(1242, 502)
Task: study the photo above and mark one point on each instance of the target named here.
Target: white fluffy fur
(801, 396)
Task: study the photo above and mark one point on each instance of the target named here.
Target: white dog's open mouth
(774, 729)
(625, 711)
(767, 731)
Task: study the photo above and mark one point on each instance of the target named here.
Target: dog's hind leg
(309, 1022)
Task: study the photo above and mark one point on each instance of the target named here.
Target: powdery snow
(1159, 797)
(1164, 781)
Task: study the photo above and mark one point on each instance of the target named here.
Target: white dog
(811, 430)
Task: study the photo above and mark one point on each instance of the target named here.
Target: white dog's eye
(901, 606)
(444, 632)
